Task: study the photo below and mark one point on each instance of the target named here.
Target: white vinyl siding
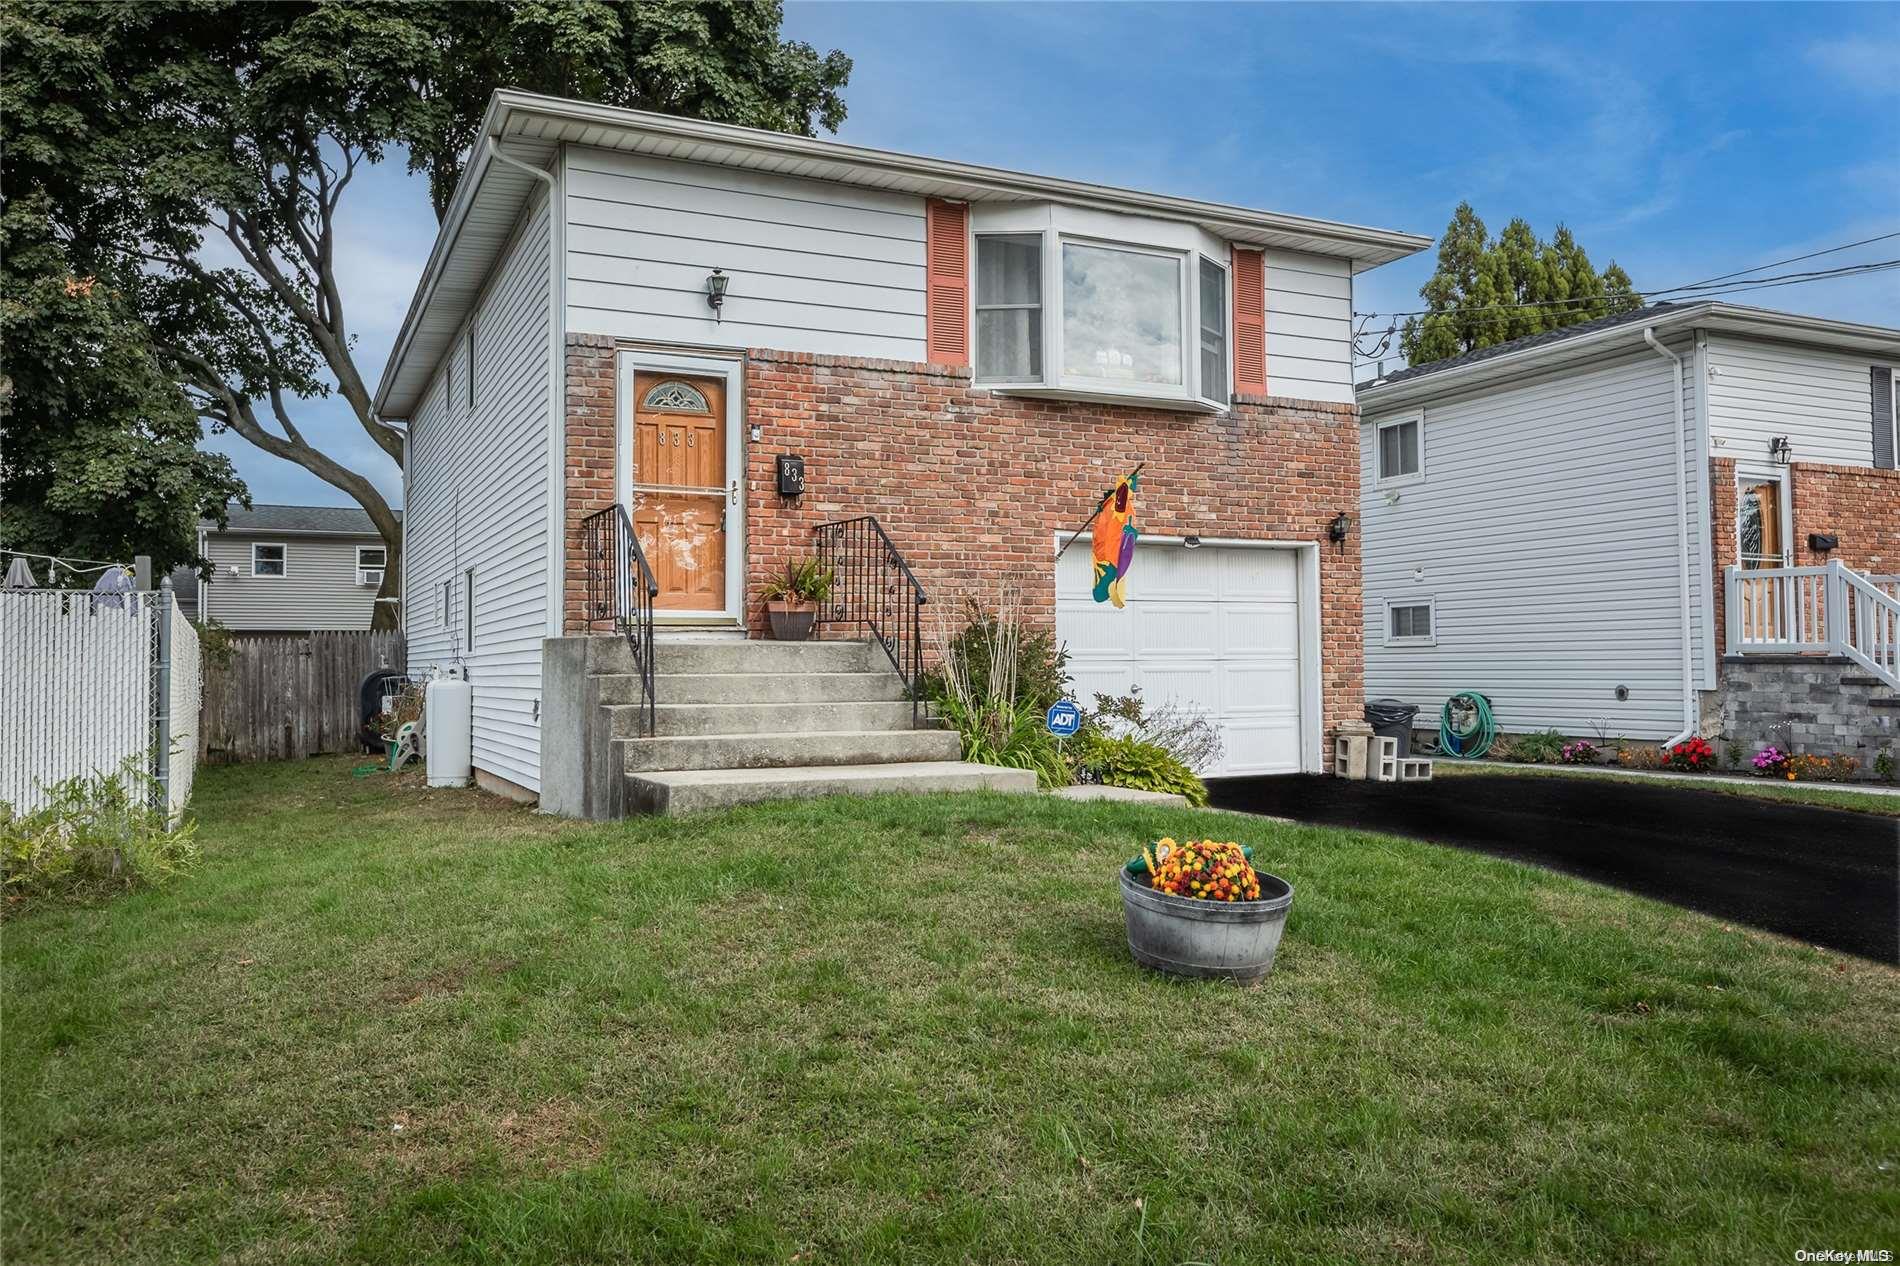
(1309, 327)
(318, 589)
(478, 505)
(1821, 400)
(1546, 542)
(814, 267)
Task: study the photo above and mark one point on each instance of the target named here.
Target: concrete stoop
(736, 722)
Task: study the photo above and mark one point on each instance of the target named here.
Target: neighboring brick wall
(1859, 504)
(972, 486)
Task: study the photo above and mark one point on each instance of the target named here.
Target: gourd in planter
(792, 600)
(1199, 908)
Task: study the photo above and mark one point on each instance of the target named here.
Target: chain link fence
(90, 681)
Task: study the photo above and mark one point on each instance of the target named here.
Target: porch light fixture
(716, 292)
(1337, 529)
(1191, 542)
(1779, 451)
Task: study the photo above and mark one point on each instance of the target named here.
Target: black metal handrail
(620, 590)
(873, 586)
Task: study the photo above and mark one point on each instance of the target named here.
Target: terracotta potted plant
(791, 601)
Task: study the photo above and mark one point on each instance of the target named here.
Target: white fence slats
(78, 690)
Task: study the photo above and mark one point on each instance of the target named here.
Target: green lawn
(387, 1025)
(1828, 795)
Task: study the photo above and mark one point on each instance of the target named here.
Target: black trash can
(1389, 718)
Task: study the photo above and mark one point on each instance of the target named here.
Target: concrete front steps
(736, 722)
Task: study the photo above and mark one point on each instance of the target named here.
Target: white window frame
(1379, 478)
(444, 603)
(468, 610)
(468, 389)
(1224, 400)
(378, 567)
(283, 560)
(1429, 602)
(1056, 379)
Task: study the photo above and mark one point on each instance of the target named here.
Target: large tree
(210, 182)
(1488, 290)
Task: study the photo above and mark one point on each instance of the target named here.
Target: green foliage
(807, 581)
(101, 447)
(1883, 764)
(216, 643)
(1188, 734)
(1129, 762)
(1041, 664)
(1007, 733)
(94, 833)
(1545, 747)
(1488, 291)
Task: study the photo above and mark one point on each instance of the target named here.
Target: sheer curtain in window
(1009, 308)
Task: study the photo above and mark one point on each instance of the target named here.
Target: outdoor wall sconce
(1779, 450)
(716, 292)
(1823, 542)
(1337, 529)
(1191, 542)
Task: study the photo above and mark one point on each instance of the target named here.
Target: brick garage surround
(1858, 504)
(973, 486)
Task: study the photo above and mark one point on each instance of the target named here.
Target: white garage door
(1216, 627)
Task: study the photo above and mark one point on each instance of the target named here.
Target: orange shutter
(1250, 323)
(946, 283)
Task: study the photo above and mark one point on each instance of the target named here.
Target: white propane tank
(448, 707)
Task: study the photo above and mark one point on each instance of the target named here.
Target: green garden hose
(1465, 727)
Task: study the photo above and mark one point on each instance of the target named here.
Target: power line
(1795, 259)
(1698, 289)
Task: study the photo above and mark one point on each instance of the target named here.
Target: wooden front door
(680, 487)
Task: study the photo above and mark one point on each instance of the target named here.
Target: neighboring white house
(1549, 522)
(287, 569)
(631, 311)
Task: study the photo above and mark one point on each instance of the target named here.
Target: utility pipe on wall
(1690, 712)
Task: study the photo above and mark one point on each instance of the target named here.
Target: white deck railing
(1833, 609)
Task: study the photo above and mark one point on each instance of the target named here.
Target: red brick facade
(973, 486)
(1858, 504)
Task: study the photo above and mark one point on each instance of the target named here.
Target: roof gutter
(1690, 711)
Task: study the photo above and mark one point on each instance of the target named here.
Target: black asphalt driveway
(1827, 876)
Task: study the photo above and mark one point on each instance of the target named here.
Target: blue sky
(1682, 141)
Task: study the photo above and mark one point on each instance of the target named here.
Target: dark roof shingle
(1649, 313)
(338, 520)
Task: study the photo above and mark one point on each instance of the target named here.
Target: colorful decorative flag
(1114, 542)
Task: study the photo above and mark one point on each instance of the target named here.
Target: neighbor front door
(681, 488)
(1758, 544)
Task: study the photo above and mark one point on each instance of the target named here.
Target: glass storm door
(1759, 544)
(680, 489)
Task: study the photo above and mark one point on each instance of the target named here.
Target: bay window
(1066, 315)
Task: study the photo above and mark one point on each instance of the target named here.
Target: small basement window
(370, 561)
(268, 560)
(1401, 450)
(1410, 623)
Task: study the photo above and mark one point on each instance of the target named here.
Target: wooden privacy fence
(283, 698)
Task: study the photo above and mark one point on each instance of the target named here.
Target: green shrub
(1129, 762)
(1546, 747)
(95, 832)
(1182, 730)
(999, 732)
(1040, 665)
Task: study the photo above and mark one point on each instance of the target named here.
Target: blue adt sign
(1064, 718)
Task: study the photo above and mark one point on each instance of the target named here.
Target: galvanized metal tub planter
(1184, 936)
